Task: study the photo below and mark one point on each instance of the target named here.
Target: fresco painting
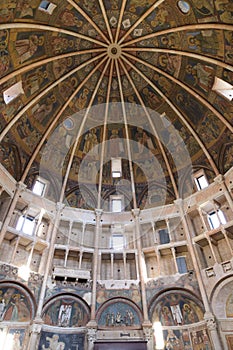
(177, 339)
(66, 312)
(177, 310)
(12, 338)
(14, 305)
(229, 339)
(200, 340)
(229, 306)
(55, 341)
(119, 314)
(186, 339)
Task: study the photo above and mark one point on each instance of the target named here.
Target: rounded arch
(53, 183)
(66, 310)
(119, 312)
(17, 302)
(74, 197)
(221, 296)
(176, 307)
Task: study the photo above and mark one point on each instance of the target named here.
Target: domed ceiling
(130, 80)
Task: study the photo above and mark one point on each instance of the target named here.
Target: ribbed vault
(101, 75)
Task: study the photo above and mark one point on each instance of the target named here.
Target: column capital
(219, 179)
(21, 186)
(136, 212)
(210, 321)
(179, 202)
(36, 326)
(98, 213)
(60, 206)
(147, 330)
(91, 331)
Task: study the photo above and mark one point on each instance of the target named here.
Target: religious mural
(229, 306)
(176, 310)
(176, 339)
(15, 305)
(119, 313)
(157, 75)
(186, 339)
(133, 293)
(229, 339)
(12, 338)
(64, 341)
(66, 311)
(201, 340)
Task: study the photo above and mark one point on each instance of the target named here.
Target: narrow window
(26, 224)
(164, 236)
(116, 203)
(116, 167)
(47, 6)
(181, 264)
(117, 241)
(201, 180)
(223, 88)
(216, 218)
(12, 92)
(39, 187)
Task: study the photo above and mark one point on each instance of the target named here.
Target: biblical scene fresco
(229, 339)
(229, 306)
(12, 338)
(186, 339)
(83, 290)
(154, 287)
(133, 294)
(119, 314)
(66, 312)
(201, 340)
(15, 306)
(177, 309)
(158, 75)
(55, 341)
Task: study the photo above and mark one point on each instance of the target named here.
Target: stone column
(99, 266)
(213, 331)
(59, 208)
(44, 258)
(174, 258)
(148, 334)
(208, 316)
(91, 337)
(147, 326)
(34, 335)
(92, 323)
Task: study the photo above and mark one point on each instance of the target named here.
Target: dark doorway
(120, 346)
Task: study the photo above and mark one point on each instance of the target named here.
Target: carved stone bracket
(91, 335)
(147, 331)
(36, 327)
(210, 321)
(8, 270)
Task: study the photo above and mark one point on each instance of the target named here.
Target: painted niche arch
(16, 303)
(176, 308)
(66, 310)
(119, 312)
(222, 299)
